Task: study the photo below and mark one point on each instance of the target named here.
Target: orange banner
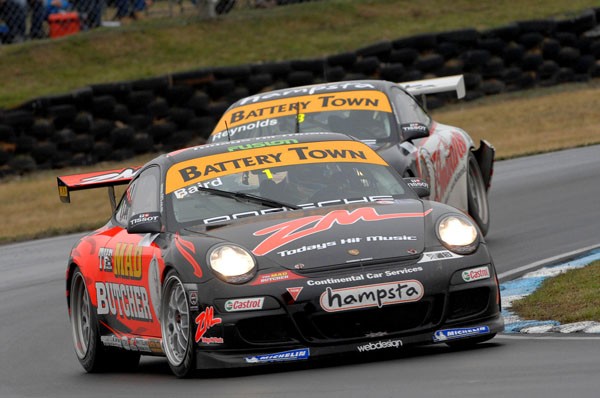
(345, 100)
(201, 169)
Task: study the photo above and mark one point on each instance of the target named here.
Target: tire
(469, 342)
(176, 327)
(477, 199)
(84, 325)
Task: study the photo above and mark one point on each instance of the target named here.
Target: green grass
(153, 47)
(570, 297)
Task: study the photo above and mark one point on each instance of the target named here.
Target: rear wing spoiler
(434, 86)
(96, 179)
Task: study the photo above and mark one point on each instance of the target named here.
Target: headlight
(232, 263)
(458, 234)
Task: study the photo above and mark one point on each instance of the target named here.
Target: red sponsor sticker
(476, 274)
(275, 277)
(289, 231)
(294, 292)
(205, 321)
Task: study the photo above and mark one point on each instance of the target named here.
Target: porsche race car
(273, 249)
(388, 117)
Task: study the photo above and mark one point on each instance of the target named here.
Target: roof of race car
(321, 88)
(197, 164)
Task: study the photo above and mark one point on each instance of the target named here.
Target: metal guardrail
(22, 20)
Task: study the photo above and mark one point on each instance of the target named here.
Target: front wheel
(92, 355)
(477, 196)
(176, 327)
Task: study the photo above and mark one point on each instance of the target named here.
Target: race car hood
(332, 235)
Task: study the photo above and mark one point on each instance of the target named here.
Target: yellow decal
(62, 191)
(127, 261)
(370, 100)
(201, 169)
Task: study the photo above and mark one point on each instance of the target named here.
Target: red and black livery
(274, 249)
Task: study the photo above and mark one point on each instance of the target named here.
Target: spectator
(90, 13)
(129, 8)
(38, 16)
(14, 15)
(40, 11)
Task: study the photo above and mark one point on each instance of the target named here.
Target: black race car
(389, 118)
(273, 249)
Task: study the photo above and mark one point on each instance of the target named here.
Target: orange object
(64, 23)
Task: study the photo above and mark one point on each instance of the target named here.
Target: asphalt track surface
(542, 206)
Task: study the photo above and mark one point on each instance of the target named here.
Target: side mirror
(144, 223)
(413, 131)
(420, 187)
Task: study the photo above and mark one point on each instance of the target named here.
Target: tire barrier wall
(116, 121)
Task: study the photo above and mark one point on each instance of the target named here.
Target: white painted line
(544, 337)
(536, 264)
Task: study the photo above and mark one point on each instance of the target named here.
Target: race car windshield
(285, 188)
(361, 124)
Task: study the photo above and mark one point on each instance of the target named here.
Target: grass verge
(154, 47)
(570, 297)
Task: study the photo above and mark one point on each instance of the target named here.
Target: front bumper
(288, 323)
(295, 353)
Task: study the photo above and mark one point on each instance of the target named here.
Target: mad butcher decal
(289, 231)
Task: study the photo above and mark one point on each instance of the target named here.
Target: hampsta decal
(378, 295)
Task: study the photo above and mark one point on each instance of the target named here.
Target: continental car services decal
(345, 100)
(206, 168)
